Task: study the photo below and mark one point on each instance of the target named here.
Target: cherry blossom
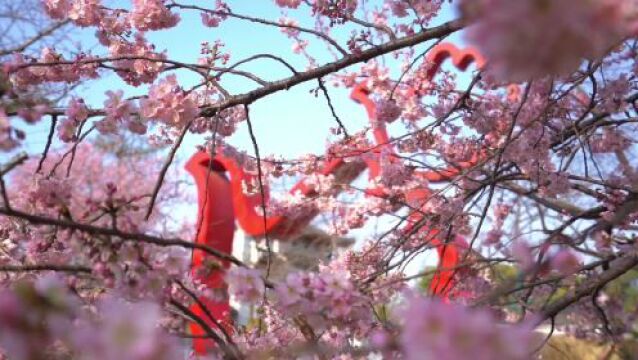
(168, 103)
(119, 111)
(152, 15)
(388, 111)
(553, 43)
(137, 70)
(288, 3)
(565, 262)
(245, 284)
(433, 329)
(504, 199)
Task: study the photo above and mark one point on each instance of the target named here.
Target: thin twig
(332, 67)
(5, 170)
(54, 121)
(37, 37)
(75, 145)
(230, 354)
(264, 22)
(260, 179)
(332, 109)
(206, 311)
(621, 266)
(18, 160)
(135, 237)
(167, 164)
(45, 267)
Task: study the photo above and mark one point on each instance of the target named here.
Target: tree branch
(315, 73)
(162, 174)
(45, 267)
(619, 267)
(139, 237)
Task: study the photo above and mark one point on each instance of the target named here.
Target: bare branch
(45, 267)
(167, 164)
(37, 37)
(135, 237)
(260, 179)
(619, 267)
(332, 109)
(45, 152)
(263, 22)
(321, 71)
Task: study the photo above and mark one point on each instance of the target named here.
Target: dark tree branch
(167, 164)
(5, 170)
(135, 237)
(618, 267)
(332, 109)
(54, 121)
(264, 22)
(260, 179)
(37, 37)
(45, 267)
(228, 352)
(346, 61)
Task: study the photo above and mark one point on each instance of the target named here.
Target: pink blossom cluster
(612, 94)
(49, 67)
(501, 212)
(562, 260)
(152, 15)
(293, 4)
(245, 284)
(215, 17)
(457, 150)
(119, 112)
(393, 172)
(565, 262)
(426, 9)
(82, 12)
(145, 15)
(326, 298)
(213, 55)
(31, 312)
(435, 330)
(542, 172)
(99, 192)
(168, 103)
(355, 216)
(9, 137)
(289, 27)
(523, 39)
(445, 210)
(584, 318)
(279, 334)
(367, 263)
(388, 111)
(113, 26)
(76, 113)
(489, 118)
(224, 124)
(137, 62)
(336, 10)
(34, 113)
(57, 9)
(613, 200)
(288, 204)
(609, 141)
(50, 193)
(45, 312)
(127, 330)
